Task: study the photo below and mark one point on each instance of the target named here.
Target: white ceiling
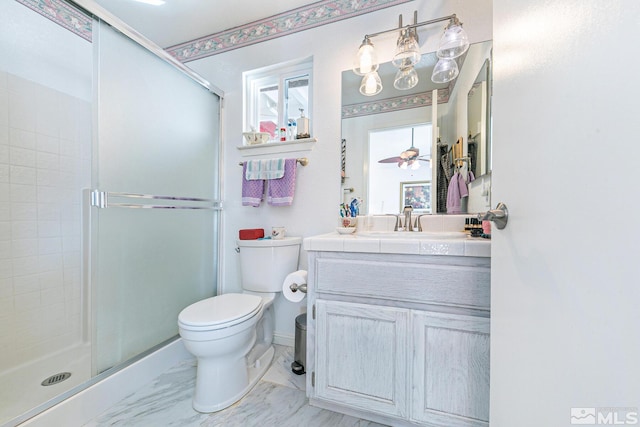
(178, 21)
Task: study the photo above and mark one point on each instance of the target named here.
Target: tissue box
(251, 233)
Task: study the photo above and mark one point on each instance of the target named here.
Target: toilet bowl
(220, 332)
(231, 334)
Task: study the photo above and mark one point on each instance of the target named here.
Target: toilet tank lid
(220, 309)
(287, 241)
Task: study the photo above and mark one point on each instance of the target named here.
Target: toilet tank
(264, 264)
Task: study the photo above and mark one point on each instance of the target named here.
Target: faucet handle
(398, 224)
(419, 223)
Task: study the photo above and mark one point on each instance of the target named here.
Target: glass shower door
(154, 211)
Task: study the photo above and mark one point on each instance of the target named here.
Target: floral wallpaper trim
(303, 18)
(393, 104)
(62, 14)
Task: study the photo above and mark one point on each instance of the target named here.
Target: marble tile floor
(277, 400)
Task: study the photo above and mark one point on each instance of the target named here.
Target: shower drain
(55, 379)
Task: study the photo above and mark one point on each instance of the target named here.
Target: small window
(275, 96)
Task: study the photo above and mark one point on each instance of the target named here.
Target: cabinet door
(361, 356)
(450, 369)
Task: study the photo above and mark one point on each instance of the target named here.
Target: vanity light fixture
(454, 43)
(406, 78)
(407, 49)
(445, 71)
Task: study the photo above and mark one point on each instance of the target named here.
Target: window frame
(276, 75)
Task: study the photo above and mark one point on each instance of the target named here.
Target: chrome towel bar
(302, 160)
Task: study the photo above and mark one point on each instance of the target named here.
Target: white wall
(565, 317)
(318, 191)
(40, 50)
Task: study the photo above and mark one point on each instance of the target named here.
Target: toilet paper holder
(295, 288)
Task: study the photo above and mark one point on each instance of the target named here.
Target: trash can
(300, 350)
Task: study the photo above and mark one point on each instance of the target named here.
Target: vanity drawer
(393, 279)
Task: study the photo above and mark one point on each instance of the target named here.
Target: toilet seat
(219, 312)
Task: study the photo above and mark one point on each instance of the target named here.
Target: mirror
(479, 121)
(393, 114)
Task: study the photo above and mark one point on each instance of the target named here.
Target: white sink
(412, 234)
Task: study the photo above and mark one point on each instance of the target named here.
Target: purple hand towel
(281, 191)
(457, 190)
(252, 190)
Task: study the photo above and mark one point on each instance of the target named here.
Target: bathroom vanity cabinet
(400, 339)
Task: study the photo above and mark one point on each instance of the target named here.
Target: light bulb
(366, 59)
(371, 84)
(415, 165)
(403, 165)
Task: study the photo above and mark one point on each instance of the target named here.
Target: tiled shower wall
(45, 143)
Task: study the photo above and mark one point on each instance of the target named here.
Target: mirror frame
(482, 87)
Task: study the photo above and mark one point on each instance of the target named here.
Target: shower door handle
(102, 199)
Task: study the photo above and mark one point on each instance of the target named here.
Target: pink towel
(252, 190)
(280, 191)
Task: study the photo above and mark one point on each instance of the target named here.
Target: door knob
(499, 215)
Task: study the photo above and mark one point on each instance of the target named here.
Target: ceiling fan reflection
(410, 158)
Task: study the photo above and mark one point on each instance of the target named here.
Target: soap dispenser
(302, 126)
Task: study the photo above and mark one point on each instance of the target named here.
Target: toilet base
(255, 372)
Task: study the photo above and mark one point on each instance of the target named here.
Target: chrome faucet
(408, 226)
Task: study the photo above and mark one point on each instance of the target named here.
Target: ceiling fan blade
(391, 160)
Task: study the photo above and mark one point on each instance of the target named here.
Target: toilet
(231, 334)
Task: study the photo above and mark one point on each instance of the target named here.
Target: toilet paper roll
(299, 278)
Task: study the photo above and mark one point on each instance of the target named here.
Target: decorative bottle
(303, 126)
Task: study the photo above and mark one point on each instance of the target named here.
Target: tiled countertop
(413, 244)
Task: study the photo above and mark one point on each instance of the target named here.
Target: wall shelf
(306, 144)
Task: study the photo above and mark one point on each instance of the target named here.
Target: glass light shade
(402, 165)
(454, 42)
(366, 59)
(406, 79)
(444, 71)
(371, 84)
(407, 51)
(415, 165)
